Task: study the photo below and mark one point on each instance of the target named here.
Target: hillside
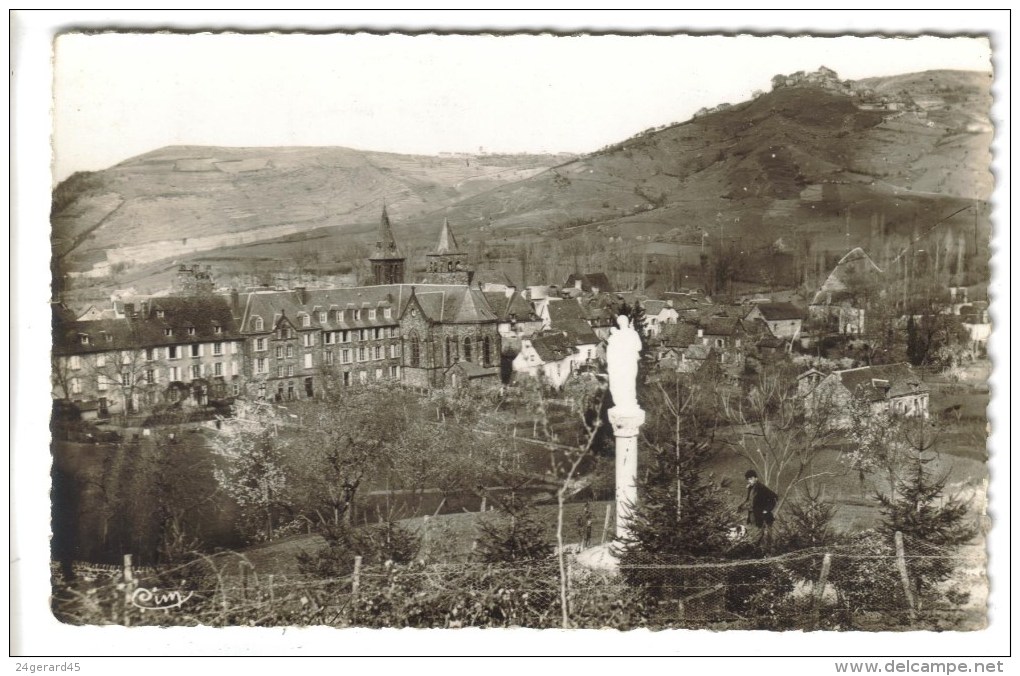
(810, 169)
(790, 159)
(180, 200)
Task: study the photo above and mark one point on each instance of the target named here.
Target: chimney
(235, 302)
(129, 310)
(145, 309)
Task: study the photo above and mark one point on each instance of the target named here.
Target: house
(551, 357)
(657, 314)
(841, 300)
(594, 283)
(892, 388)
(174, 350)
(516, 316)
(784, 320)
(469, 373)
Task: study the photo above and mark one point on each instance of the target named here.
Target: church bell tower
(387, 263)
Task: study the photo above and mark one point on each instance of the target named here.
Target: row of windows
(217, 349)
(348, 378)
(190, 330)
(347, 356)
(455, 350)
(337, 316)
(154, 376)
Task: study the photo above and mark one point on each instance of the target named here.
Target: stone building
(173, 350)
(386, 260)
(447, 264)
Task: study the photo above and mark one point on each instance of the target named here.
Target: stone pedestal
(626, 426)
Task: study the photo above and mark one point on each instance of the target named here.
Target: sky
(117, 97)
(120, 95)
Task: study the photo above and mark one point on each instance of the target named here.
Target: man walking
(761, 502)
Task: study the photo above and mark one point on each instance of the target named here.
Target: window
(329, 358)
(308, 339)
(126, 379)
(260, 365)
(327, 338)
(306, 320)
(467, 349)
(378, 333)
(234, 347)
(150, 354)
(217, 329)
(102, 382)
(168, 332)
(338, 316)
(218, 369)
(378, 352)
(281, 371)
(394, 351)
(100, 360)
(150, 376)
(196, 349)
(290, 370)
(387, 313)
(262, 390)
(74, 363)
(371, 314)
(83, 338)
(345, 356)
(279, 351)
(125, 357)
(75, 386)
(175, 374)
(347, 377)
(235, 390)
(290, 350)
(345, 336)
(366, 334)
(357, 315)
(719, 342)
(395, 372)
(257, 324)
(196, 371)
(486, 350)
(217, 349)
(191, 330)
(378, 374)
(361, 354)
(363, 376)
(160, 313)
(308, 360)
(322, 317)
(415, 356)
(171, 352)
(233, 368)
(260, 344)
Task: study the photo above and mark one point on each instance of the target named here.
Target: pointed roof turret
(447, 243)
(386, 245)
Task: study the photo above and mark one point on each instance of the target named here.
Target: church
(438, 332)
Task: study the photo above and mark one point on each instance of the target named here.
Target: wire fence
(877, 584)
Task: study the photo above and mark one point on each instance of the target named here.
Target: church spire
(387, 263)
(447, 243)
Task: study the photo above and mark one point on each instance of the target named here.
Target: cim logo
(154, 599)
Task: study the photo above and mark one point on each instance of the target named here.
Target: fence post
(823, 579)
(272, 597)
(356, 578)
(129, 580)
(901, 563)
(605, 524)
(425, 534)
(483, 504)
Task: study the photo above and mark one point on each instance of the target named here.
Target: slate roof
(444, 303)
(721, 326)
(472, 370)
(503, 306)
(191, 319)
(596, 280)
(678, 335)
(653, 307)
(780, 311)
(553, 346)
(878, 383)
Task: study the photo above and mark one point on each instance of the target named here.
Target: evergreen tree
(515, 534)
(933, 525)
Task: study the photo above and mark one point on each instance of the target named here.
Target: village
(198, 349)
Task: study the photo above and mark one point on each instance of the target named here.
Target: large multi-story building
(164, 350)
(285, 345)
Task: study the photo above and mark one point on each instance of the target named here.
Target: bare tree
(775, 435)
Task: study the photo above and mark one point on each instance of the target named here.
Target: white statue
(622, 353)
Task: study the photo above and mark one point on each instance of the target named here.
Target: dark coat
(763, 501)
